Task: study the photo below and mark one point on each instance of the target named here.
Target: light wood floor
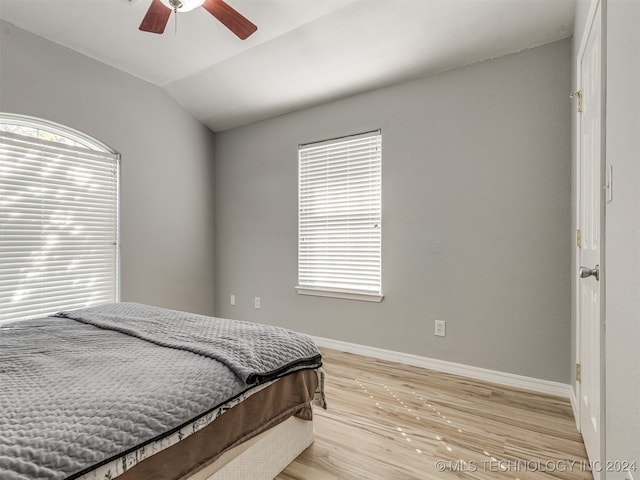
(394, 422)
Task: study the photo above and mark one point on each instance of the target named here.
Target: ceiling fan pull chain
(175, 10)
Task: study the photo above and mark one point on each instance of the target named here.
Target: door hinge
(579, 238)
(578, 95)
(578, 373)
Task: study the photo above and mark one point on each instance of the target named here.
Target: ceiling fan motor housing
(182, 5)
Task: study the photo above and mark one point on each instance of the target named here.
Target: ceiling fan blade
(230, 18)
(156, 18)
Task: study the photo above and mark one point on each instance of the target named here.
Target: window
(58, 219)
(339, 208)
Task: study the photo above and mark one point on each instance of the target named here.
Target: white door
(590, 215)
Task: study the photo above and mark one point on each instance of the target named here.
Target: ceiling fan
(159, 12)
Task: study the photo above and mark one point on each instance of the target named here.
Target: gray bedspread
(84, 387)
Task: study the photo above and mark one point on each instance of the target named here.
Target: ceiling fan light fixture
(183, 5)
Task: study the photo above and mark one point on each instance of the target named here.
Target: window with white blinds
(339, 223)
(58, 223)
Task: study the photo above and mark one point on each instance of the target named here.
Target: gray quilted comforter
(86, 386)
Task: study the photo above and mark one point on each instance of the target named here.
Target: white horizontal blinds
(339, 243)
(58, 227)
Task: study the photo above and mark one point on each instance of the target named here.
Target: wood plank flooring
(390, 421)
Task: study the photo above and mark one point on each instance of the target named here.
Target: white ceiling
(305, 51)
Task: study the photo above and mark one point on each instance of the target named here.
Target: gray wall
(476, 216)
(622, 286)
(167, 162)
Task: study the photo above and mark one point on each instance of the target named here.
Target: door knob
(590, 272)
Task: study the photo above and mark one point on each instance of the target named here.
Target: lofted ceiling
(305, 52)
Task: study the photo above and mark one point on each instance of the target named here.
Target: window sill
(337, 293)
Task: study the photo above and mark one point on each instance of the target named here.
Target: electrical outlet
(232, 299)
(440, 328)
(256, 302)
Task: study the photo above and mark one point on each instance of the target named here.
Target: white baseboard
(574, 406)
(494, 376)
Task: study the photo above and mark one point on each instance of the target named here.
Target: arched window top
(59, 215)
(49, 131)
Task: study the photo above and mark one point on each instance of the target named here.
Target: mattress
(96, 396)
(201, 443)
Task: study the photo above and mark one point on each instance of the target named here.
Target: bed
(135, 392)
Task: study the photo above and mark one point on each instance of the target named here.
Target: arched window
(58, 219)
